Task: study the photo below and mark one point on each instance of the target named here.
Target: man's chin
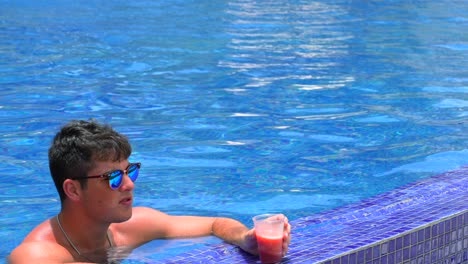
(123, 217)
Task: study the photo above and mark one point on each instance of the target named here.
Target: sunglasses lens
(133, 172)
(115, 179)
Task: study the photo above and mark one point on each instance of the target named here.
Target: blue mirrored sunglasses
(115, 177)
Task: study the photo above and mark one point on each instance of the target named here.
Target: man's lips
(126, 200)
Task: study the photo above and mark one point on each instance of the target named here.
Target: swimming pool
(235, 107)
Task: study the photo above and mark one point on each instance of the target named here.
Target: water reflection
(277, 40)
(320, 103)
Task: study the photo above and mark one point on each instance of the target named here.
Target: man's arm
(235, 233)
(155, 224)
(149, 224)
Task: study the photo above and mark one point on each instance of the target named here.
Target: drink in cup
(269, 230)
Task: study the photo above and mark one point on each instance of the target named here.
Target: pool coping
(406, 220)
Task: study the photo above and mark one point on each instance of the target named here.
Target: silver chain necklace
(73, 245)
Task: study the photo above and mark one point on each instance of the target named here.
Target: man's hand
(286, 236)
(249, 243)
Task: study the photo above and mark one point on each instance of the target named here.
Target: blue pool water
(234, 107)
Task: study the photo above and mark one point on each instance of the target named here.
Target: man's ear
(72, 189)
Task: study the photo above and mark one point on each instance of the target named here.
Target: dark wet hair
(78, 145)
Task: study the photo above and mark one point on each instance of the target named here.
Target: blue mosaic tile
(422, 222)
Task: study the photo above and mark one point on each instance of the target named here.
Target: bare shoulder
(142, 219)
(40, 246)
(41, 233)
(156, 224)
(145, 225)
(139, 212)
(39, 252)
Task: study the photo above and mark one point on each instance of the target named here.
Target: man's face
(104, 203)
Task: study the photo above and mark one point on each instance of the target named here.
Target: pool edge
(399, 226)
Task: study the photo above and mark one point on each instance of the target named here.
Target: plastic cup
(269, 230)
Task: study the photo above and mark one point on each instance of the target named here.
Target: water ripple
(306, 104)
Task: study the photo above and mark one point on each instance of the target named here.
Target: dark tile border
(444, 241)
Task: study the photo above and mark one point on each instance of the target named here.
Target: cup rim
(264, 217)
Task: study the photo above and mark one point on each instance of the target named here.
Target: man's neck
(86, 234)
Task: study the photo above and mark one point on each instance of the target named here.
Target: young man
(89, 165)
